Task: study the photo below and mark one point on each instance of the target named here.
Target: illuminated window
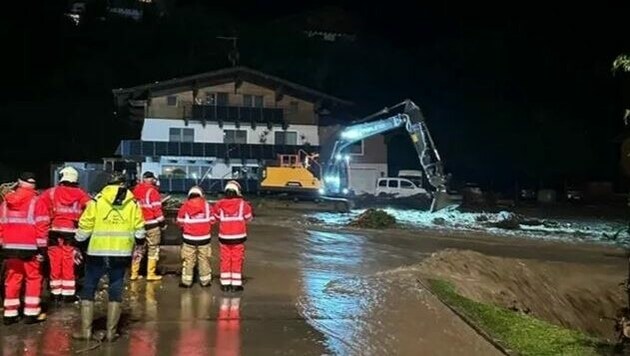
(285, 138)
(234, 136)
(176, 134)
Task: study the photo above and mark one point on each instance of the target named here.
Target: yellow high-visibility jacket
(113, 224)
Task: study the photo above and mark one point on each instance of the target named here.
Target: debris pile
(374, 219)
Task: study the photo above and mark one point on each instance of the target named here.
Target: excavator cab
(292, 174)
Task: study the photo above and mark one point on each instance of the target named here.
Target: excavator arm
(411, 118)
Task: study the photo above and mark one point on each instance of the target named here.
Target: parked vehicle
(397, 187)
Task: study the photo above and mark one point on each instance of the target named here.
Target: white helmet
(69, 174)
(195, 190)
(233, 185)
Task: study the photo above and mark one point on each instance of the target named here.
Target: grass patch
(519, 333)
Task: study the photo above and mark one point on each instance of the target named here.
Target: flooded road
(307, 292)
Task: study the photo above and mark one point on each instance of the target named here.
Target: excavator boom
(412, 119)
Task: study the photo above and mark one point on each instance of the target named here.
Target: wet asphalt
(307, 292)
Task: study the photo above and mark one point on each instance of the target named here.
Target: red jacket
(24, 221)
(196, 219)
(149, 199)
(65, 204)
(233, 215)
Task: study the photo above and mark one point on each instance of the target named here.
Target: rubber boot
(9, 320)
(113, 317)
(135, 269)
(34, 319)
(87, 316)
(151, 266)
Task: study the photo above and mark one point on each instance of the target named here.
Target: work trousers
(62, 279)
(196, 255)
(232, 257)
(19, 271)
(153, 237)
(96, 267)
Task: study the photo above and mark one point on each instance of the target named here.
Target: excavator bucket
(441, 200)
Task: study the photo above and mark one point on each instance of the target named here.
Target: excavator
(332, 182)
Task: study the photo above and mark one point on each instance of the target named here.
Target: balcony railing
(218, 113)
(137, 148)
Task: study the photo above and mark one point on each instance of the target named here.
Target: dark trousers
(96, 267)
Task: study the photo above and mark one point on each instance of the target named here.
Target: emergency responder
(232, 212)
(148, 197)
(65, 203)
(24, 225)
(112, 222)
(195, 218)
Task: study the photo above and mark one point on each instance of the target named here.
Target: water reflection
(193, 337)
(228, 342)
(329, 257)
(143, 339)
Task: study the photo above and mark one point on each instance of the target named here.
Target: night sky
(511, 94)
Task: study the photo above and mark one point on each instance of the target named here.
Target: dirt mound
(374, 219)
(576, 296)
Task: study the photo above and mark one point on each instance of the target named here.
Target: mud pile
(576, 296)
(374, 219)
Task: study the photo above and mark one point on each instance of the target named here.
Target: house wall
(374, 148)
(305, 114)
(158, 130)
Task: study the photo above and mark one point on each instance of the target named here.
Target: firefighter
(65, 203)
(23, 236)
(195, 218)
(113, 222)
(232, 213)
(148, 197)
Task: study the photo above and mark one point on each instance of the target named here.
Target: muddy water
(362, 313)
(307, 293)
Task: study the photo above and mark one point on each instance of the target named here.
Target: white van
(398, 187)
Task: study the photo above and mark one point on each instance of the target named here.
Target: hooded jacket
(232, 215)
(24, 223)
(196, 219)
(112, 221)
(65, 203)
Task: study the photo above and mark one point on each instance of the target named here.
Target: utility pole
(234, 55)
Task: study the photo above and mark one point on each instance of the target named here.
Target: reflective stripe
(68, 283)
(10, 313)
(12, 246)
(68, 291)
(82, 235)
(30, 218)
(112, 234)
(63, 229)
(236, 275)
(55, 291)
(42, 242)
(140, 234)
(237, 282)
(226, 275)
(11, 302)
(157, 203)
(31, 300)
(205, 278)
(188, 220)
(55, 283)
(160, 218)
(32, 311)
(152, 221)
(196, 238)
(113, 253)
(232, 237)
(238, 217)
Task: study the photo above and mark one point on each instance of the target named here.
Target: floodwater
(306, 293)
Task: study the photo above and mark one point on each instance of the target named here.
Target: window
(382, 183)
(406, 185)
(393, 183)
(220, 99)
(285, 138)
(356, 148)
(253, 101)
(235, 136)
(171, 100)
(176, 134)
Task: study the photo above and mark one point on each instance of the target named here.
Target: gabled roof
(222, 76)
